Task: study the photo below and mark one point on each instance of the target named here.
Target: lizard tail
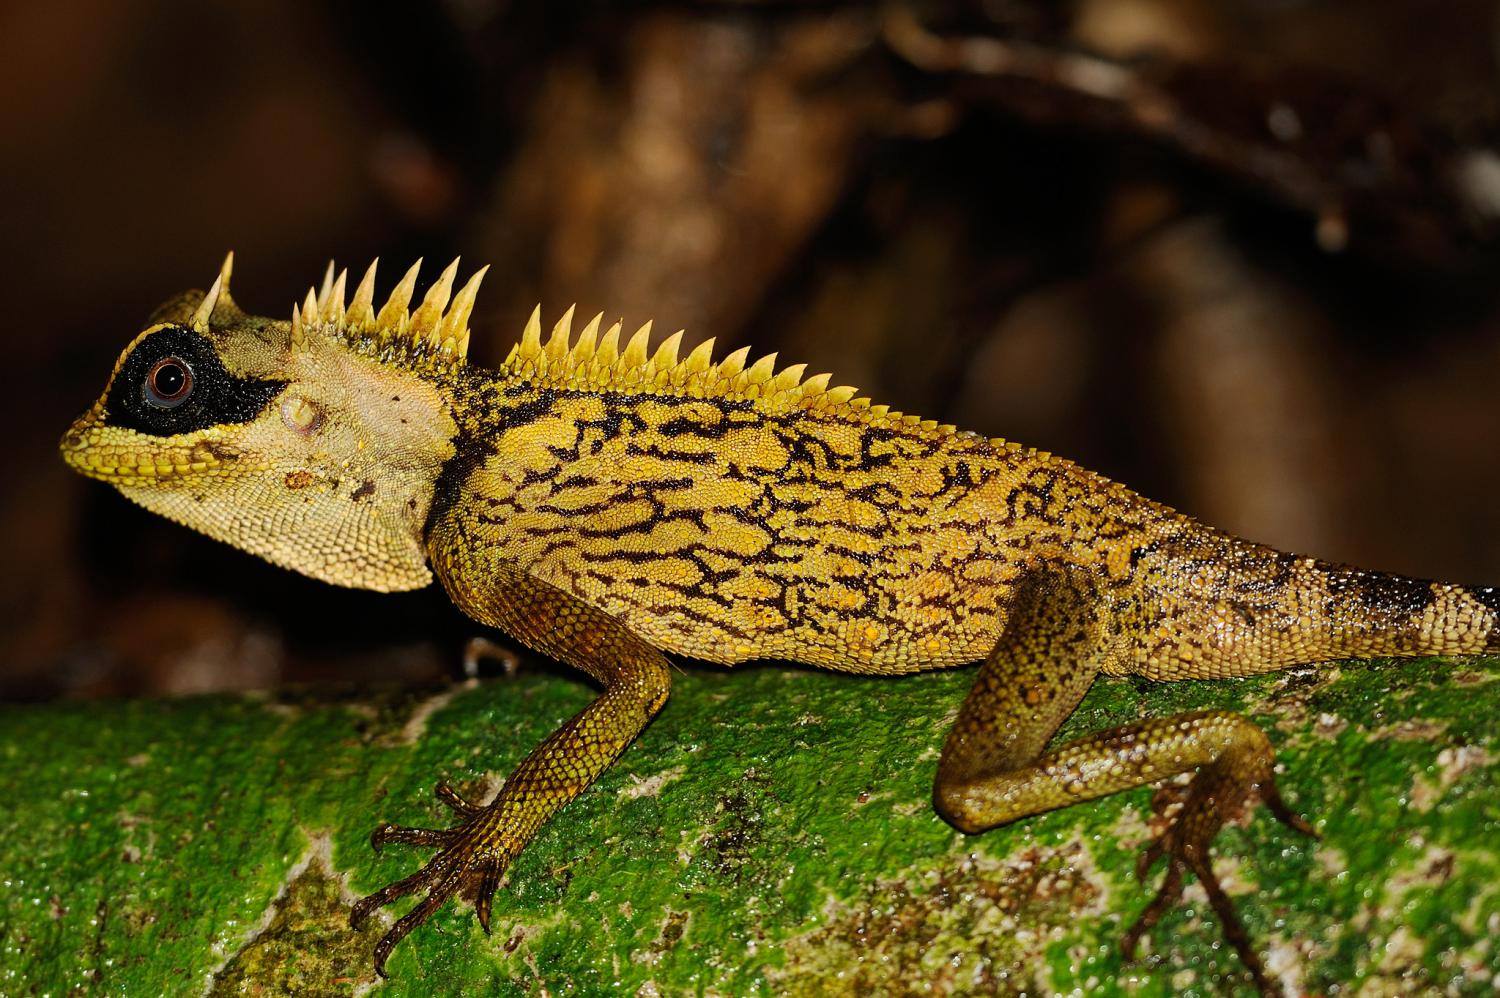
(1372, 614)
(1267, 609)
(1488, 597)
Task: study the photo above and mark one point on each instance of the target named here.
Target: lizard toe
(456, 802)
(1234, 930)
(1166, 896)
(440, 837)
(1279, 810)
(368, 904)
(435, 899)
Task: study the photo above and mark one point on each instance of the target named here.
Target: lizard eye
(168, 383)
(172, 381)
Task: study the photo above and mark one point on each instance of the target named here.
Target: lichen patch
(303, 943)
(673, 928)
(980, 926)
(650, 786)
(416, 724)
(1329, 726)
(1288, 697)
(1413, 730)
(1453, 763)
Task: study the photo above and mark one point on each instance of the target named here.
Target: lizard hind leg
(995, 768)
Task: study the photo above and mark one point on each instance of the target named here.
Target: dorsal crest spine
(594, 362)
(436, 334)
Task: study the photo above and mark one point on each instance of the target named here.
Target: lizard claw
(484, 896)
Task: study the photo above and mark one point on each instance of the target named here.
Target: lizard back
(729, 528)
(732, 513)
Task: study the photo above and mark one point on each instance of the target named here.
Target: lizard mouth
(123, 457)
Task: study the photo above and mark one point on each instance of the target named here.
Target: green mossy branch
(771, 833)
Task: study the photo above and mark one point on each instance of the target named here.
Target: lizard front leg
(994, 768)
(475, 853)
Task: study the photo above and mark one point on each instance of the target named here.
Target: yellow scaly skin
(607, 505)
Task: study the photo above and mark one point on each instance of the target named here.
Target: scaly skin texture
(607, 506)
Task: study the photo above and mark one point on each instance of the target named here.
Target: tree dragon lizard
(608, 504)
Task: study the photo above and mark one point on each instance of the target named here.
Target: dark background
(1239, 254)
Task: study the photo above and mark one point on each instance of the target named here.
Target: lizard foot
(474, 855)
(1194, 815)
(478, 650)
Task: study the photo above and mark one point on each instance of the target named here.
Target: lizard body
(605, 504)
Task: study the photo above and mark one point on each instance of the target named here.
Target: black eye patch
(173, 382)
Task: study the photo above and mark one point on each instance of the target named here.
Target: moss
(770, 833)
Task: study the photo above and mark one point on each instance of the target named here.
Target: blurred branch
(1371, 174)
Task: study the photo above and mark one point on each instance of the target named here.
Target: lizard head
(315, 443)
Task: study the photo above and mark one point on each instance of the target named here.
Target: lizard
(609, 504)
